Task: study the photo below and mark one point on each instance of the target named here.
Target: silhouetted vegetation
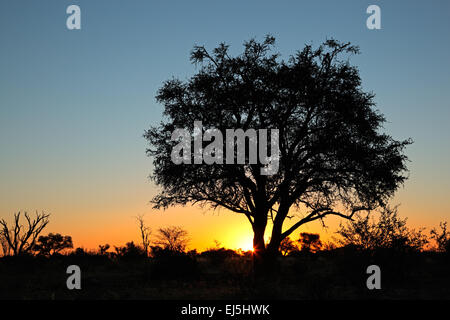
(52, 244)
(308, 268)
(145, 234)
(103, 249)
(218, 256)
(309, 242)
(442, 238)
(287, 246)
(172, 239)
(334, 158)
(334, 161)
(129, 252)
(388, 232)
(19, 238)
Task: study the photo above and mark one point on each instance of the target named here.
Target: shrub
(388, 232)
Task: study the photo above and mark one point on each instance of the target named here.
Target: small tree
(287, 246)
(441, 237)
(19, 238)
(172, 238)
(52, 244)
(102, 249)
(145, 233)
(389, 232)
(309, 242)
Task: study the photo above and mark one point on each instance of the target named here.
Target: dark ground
(339, 274)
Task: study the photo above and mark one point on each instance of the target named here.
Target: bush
(218, 256)
(130, 252)
(441, 238)
(170, 264)
(388, 232)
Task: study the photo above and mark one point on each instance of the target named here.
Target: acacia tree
(172, 238)
(52, 244)
(334, 158)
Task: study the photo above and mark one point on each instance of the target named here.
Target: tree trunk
(265, 264)
(265, 258)
(265, 261)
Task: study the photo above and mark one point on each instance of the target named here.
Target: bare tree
(145, 233)
(21, 238)
(172, 238)
(388, 231)
(4, 245)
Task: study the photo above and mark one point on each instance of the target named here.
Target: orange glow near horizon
(108, 216)
(230, 230)
(90, 229)
(246, 243)
(75, 105)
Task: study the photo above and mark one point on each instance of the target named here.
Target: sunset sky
(74, 104)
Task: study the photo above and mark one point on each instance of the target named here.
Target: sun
(246, 244)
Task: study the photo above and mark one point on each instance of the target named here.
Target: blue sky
(75, 103)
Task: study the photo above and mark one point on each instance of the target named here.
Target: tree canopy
(334, 157)
(53, 243)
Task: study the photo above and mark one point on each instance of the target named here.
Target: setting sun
(247, 246)
(246, 243)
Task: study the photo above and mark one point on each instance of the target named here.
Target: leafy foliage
(441, 237)
(130, 251)
(332, 151)
(52, 244)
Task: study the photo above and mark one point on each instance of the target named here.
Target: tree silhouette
(334, 159)
(4, 244)
(309, 242)
(441, 237)
(130, 251)
(173, 239)
(52, 243)
(103, 249)
(145, 233)
(19, 238)
(287, 246)
(387, 232)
